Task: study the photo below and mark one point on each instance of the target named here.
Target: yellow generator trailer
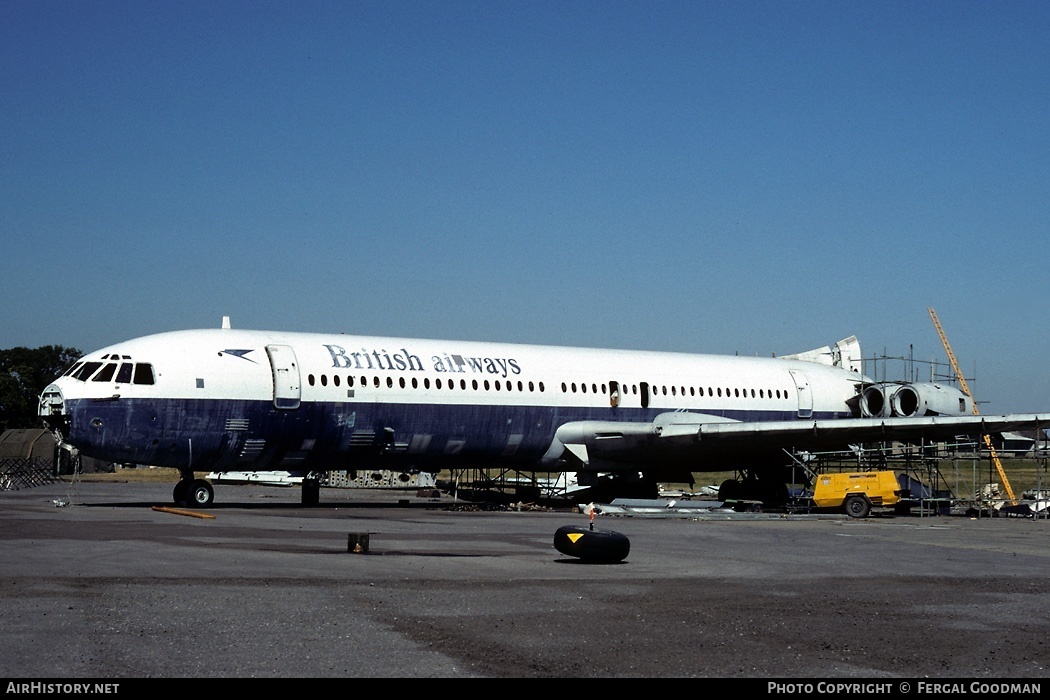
(857, 493)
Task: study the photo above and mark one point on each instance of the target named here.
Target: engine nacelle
(906, 399)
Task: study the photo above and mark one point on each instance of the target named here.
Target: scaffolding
(946, 478)
(503, 485)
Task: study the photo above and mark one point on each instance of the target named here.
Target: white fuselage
(238, 399)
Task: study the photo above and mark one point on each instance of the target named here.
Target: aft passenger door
(286, 382)
(805, 394)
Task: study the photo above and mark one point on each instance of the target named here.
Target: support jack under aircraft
(223, 399)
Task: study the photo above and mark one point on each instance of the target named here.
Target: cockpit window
(143, 373)
(106, 373)
(71, 370)
(86, 370)
(124, 373)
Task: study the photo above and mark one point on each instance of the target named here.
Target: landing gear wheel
(857, 507)
(201, 494)
(181, 493)
(311, 492)
(730, 490)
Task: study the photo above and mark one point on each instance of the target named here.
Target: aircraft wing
(809, 434)
(691, 437)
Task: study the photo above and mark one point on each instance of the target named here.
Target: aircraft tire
(311, 492)
(599, 546)
(180, 495)
(200, 493)
(857, 507)
(730, 490)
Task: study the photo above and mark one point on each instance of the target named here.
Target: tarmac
(107, 581)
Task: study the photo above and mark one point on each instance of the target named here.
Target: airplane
(225, 399)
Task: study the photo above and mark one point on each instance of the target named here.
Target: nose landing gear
(193, 492)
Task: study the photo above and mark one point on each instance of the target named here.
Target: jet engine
(908, 400)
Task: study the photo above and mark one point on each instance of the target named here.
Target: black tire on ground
(180, 495)
(599, 546)
(857, 507)
(311, 492)
(730, 490)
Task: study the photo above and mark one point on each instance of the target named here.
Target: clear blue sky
(737, 177)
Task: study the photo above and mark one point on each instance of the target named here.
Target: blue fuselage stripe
(222, 434)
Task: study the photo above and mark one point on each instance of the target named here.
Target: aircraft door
(286, 381)
(805, 394)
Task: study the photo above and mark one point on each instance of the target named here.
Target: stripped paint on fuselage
(237, 399)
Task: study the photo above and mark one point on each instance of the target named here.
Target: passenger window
(143, 373)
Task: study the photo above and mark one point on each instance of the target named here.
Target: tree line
(24, 372)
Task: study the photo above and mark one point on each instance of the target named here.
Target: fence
(24, 473)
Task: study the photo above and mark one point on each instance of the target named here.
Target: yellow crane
(966, 390)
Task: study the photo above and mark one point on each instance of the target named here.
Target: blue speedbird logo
(241, 354)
